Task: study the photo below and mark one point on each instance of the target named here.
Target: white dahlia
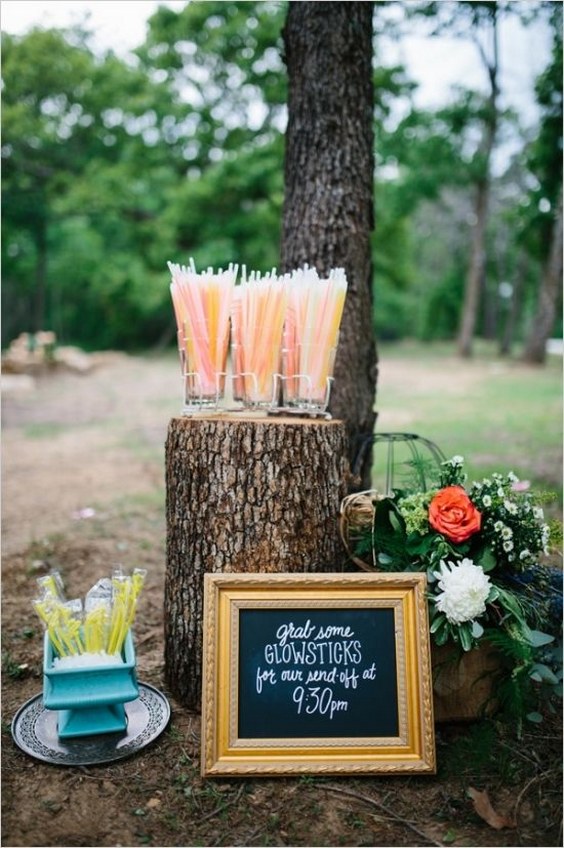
(465, 589)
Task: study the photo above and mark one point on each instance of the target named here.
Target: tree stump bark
(244, 495)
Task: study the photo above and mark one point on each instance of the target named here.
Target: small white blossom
(545, 532)
(506, 533)
(500, 492)
(513, 477)
(545, 536)
(508, 546)
(498, 526)
(486, 500)
(538, 513)
(457, 460)
(525, 554)
(510, 507)
(465, 589)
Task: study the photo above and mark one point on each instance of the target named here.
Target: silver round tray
(34, 730)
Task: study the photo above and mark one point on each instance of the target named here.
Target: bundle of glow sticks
(96, 630)
(311, 334)
(281, 327)
(202, 303)
(257, 319)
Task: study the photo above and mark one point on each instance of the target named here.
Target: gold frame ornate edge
(223, 594)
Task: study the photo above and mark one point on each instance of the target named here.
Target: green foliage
(113, 167)
(544, 154)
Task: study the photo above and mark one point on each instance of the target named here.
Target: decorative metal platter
(34, 729)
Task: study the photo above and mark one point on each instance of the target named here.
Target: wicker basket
(464, 686)
(356, 517)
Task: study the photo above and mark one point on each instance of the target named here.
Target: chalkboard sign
(328, 672)
(324, 673)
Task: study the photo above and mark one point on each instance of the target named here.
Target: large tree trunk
(244, 495)
(508, 337)
(543, 323)
(477, 266)
(476, 270)
(40, 278)
(329, 168)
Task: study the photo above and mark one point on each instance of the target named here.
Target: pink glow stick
(202, 304)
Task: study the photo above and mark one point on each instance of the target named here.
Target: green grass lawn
(499, 414)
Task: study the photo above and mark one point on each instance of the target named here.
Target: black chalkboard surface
(317, 673)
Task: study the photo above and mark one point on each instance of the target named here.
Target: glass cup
(307, 374)
(203, 360)
(256, 368)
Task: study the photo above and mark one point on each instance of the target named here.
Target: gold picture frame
(361, 639)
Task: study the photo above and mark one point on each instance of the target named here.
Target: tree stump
(244, 495)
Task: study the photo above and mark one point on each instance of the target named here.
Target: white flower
(500, 493)
(506, 533)
(508, 546)
(510, 507)
(545, 532)
(465, 589)
(457, 460)
(525, 554)
(538, 513)
(486, 500)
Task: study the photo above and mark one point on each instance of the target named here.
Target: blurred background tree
(112, 167)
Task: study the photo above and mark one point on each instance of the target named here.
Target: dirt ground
(83, 491)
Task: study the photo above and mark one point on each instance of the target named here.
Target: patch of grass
(44, 430)
(12, 668)
(479, 751)
(499, 414)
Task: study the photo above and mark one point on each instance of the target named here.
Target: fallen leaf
(484, 809)
(153, 802)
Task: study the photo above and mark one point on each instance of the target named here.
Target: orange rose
(452, 513)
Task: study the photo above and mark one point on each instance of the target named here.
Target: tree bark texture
(244, 496)
(329, 170)
(476, 268)
(551, 286)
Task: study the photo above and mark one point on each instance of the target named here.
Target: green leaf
(395, 522)
(477, 629)
(535, 717)
(511, 605)
(449, 837)
(465, 634)
(487, 560)
(437, 624)
(541, 672)
(536, 638)
(441, 637)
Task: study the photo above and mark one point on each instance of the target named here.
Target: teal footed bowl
(90, 700)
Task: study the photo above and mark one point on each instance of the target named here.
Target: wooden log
(258, 495)
(464, 684)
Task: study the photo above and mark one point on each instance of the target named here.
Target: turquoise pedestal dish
(90, 701)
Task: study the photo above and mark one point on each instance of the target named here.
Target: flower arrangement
(481, 547)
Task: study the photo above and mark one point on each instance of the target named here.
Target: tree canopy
(113, 166)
